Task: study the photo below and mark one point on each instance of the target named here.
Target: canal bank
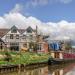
(64, 69)
(15, 58)
(13, 68)
(13, 61)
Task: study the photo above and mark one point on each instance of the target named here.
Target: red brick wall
(45, 46)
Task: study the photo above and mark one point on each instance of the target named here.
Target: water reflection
(66, 69)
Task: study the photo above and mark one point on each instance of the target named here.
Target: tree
(33, 46)
(68, 46)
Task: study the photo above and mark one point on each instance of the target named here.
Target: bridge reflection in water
(66, 69)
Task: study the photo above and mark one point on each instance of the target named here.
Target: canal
(66, 69)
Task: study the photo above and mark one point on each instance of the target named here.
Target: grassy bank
(24, 58)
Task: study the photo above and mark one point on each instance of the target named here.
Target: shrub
(8, 56)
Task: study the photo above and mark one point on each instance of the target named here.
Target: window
(14, 31)
(39, 47)
(29, 30)
(11, 36)
(17, 36)
(14, 46)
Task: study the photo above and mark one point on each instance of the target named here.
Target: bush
(8, 56)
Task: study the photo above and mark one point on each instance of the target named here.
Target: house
(24, 40)
(12, 39)
(17, 39)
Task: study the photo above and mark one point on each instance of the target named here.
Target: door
(56, 54)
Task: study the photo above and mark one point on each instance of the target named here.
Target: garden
(15, 58)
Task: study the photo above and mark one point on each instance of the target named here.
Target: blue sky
(45, 10)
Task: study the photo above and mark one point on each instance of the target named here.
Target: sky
(53, 17)
(45, 10)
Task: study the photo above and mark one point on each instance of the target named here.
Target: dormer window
(29, 30)
(14, 29)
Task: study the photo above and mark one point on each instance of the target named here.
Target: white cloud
(17, 8)
(63, 30)
(2, 22)
(34, 3)
(40, 2)
(15, 19)
(65, 1)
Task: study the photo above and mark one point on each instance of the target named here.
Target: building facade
(17, 41)
(12, 39)
(26, 40)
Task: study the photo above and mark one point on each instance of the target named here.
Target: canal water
(66, 69)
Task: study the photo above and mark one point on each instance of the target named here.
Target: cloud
(65, 1)
(2, 22)
(35, 3)
(17, 8)
(62, 30)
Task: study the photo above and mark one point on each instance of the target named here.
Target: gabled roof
(20, 30)
(4, 31)
(14, 27)
(29, 29)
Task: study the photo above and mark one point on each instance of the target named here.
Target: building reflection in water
(58, 72)
(68, 69)
(39, 71)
